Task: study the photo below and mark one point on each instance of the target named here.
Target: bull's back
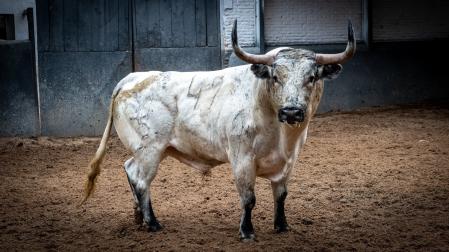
(188, 108)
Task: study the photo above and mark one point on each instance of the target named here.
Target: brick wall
(245, 12)
(310, 21)
(410, 20)
(296, 22)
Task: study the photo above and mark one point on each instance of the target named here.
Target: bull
(253, 116)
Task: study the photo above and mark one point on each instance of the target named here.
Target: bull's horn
(266, 59)
(339, 58)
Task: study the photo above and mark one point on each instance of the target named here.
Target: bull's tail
(94, 165)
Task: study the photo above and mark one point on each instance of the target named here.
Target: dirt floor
(375, 179)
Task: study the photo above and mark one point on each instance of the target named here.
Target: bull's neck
(290, 136)
(262, 101)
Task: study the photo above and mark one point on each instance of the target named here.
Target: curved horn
(266, 59)
(339, 58)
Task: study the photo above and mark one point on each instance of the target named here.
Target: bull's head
(292, 74)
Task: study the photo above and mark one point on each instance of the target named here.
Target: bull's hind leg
(138, 217)
(141, 171)
(144, 126)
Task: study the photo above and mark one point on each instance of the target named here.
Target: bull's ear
(262, 71)
(330, 71)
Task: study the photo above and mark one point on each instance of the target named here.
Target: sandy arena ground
(376, 179)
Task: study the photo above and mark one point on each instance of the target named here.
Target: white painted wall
(310, 21)
(245, 12)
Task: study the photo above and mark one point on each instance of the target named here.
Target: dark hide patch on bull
(138, 216)
(330, 71)
(152, 224)
(262, 71)
(280, 222)
(141, 210)
(246, 227)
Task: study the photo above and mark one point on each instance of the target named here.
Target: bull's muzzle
(291, 115)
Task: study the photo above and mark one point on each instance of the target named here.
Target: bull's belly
(199, 137)
(203, 150)
(201, 164)
(197, 153)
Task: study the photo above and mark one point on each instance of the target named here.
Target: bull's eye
(276, 80)
(311, 79)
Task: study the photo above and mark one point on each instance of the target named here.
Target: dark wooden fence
(87, 46)
(177, 35)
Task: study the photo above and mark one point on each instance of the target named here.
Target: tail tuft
(91, 178)
(94, 165)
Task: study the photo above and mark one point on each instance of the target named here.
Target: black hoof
(249, 237)
(281, 229)
(154, 226)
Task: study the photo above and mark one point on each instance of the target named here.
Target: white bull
(254, 117)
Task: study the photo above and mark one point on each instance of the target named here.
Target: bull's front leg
(279, 195)
(244, 172)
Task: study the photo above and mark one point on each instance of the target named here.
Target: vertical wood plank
(154, 30)
(123, 25)
(85, 14)
(177, 17)
(200, 19)
(98, 31)
(141, 24)
(165, 11)
(42, 17)
(70, 25)
(111, 25)
(189, 23)
(56, 14)
(212, 22)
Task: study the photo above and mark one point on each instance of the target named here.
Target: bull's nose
(291, 115)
